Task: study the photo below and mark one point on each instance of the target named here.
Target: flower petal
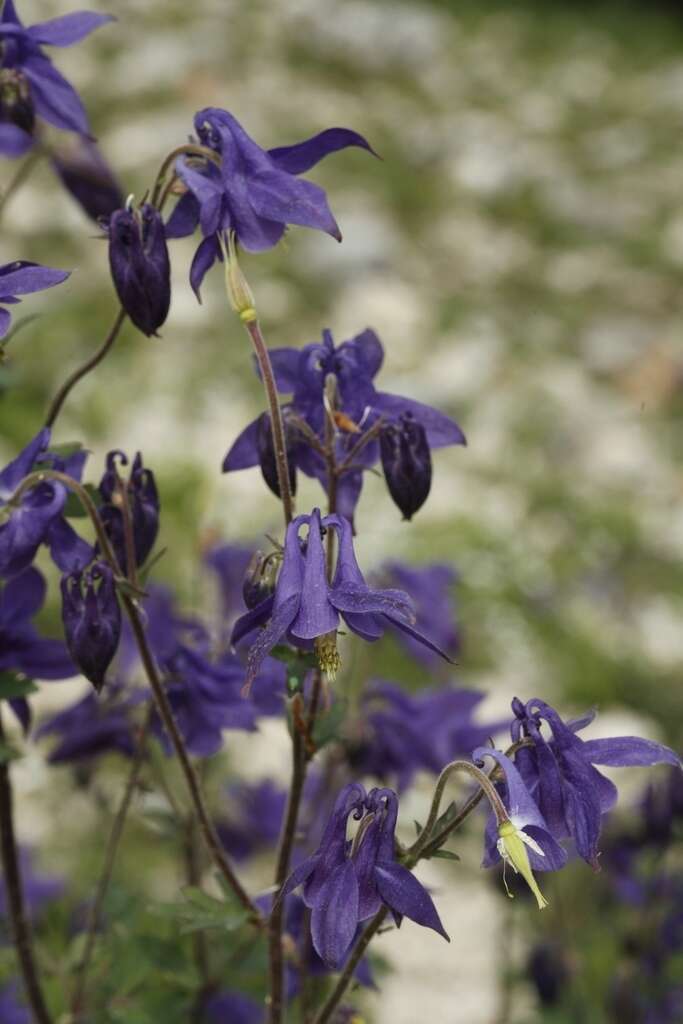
(626, 751)
(303, 155)
(402, 892)
(68, 29)
(335, 915)
(441, 429)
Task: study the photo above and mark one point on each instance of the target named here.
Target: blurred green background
(518, 249)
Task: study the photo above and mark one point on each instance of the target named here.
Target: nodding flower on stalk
(140, 492)
(305, 608)
(140, 267)
(92, 620)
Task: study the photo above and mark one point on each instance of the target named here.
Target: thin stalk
(336, 995)
(276, 423)
(95, 912)
(190, 149)
(16, 909)
(206, 826)
(21, 175)
(287, 837)
(358, 447)
(82, 371)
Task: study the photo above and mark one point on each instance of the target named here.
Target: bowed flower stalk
(305, 608)
(30, 83)
(248, 192)
(369, 423)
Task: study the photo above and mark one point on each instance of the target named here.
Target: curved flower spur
(305, 608)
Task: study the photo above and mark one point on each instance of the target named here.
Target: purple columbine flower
(87, 177)
(143, 502)
(346, 883)
(32, 75)
(524, 841)
(24, 278)
(355, 363)
(140, 267)
(254, 823)
(571, 793)
(252, 192)
(305, 609)
(22, 649)
(92, 620)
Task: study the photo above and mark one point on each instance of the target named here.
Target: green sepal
(13, 685)
(298, 664)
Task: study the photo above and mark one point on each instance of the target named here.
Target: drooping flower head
(346, 883)
(143, 504)
(306, 609)
(38, 88)
(407, 463)
(361, 413)
(571, 793)
(92, 620)
(140, 267)
(250, 192)
(23, 278)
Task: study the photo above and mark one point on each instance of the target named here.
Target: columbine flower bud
(92, 620)
(239, 293)
(140, 268)
(266, 453)
(143, 504)
(260, 577)
(407, 463)
(512, 844)
(16, 105)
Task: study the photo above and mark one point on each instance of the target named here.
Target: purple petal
(402, 892)
(348, 494)
(286, 365)
(360, 599)
(208, 251)
(416, 634)
(9, 14)
(70, 28)
(627, 751)
(273, 633)
(208, 192)
(335, 915)
(22, 597)
(248, 622)
(369, 351)
(15, 471)
(5, 321)
(55, 99)
(23, 278)
(520, 805)
(185, 217)
(304, 155)
(280, 198)
(441, 429)
(316, 615)
(70, 552)
(300, 874)
(244, 452)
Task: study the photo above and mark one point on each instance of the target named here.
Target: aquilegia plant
(165, 686)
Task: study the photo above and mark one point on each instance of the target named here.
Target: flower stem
(276, 422)
(332, 1002)
(82, 371)
(190, 149)
(95, 912)
(21, 929)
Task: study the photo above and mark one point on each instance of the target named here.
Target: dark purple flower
(87, 176)
(400, 733)
(140, 267)
(92, 726)
(266, 452)
(407, 463)
(306, 608)
(11, 1010)
(232, 1008)
(49, 93)
(143, 503)
(354, 364)
(346, 883)
(431, 588)
(92, 620)
(252, 192)
(24, 278)
(571, 793)
(256, 818)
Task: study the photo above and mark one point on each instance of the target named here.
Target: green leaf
(328, 726)
(14, 685)
(444, 855)
(199, 911)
